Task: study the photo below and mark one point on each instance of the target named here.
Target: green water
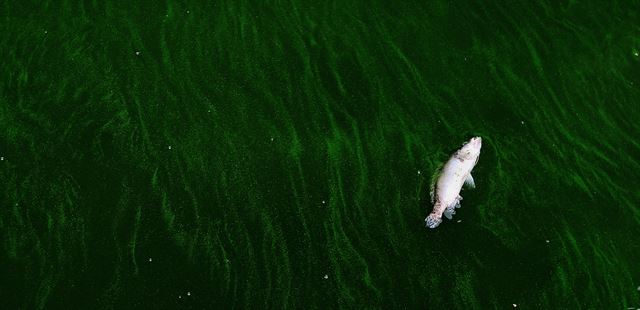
(252, 155)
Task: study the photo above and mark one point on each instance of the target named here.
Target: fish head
(471, 148)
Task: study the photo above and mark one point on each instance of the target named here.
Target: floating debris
(547, 241)
(188, 293)
(326, 276)
(459, 221)
(515, 306)
(150, 260)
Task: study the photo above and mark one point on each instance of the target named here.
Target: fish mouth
(476, 141)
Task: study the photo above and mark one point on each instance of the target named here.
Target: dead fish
(447, 182)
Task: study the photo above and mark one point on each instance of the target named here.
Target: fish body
(445, 188)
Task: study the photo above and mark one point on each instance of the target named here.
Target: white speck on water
(418, 171)
(522, 122)
(547, 241)
(180, 296)
(465, 58)
(323, 202)
(638, 288)
(169, 146)
(150, 260)
(188, 293)
(459, 221)
(137, 53)
(515, 306)
(45, 32)
(188, 11)
(208, 111)
(1, 157)
(326, 276)
(635, 53)
(271, 138)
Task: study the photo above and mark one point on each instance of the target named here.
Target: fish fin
(449, 212)
(469, 181)
(434, 181)
(432, 190)
(432, 221)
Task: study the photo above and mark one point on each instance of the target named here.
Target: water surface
(235, 154)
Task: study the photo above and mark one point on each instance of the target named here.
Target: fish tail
(432, 221)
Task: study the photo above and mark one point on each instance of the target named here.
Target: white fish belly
(451, 180)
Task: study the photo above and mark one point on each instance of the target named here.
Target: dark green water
(233, 154)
